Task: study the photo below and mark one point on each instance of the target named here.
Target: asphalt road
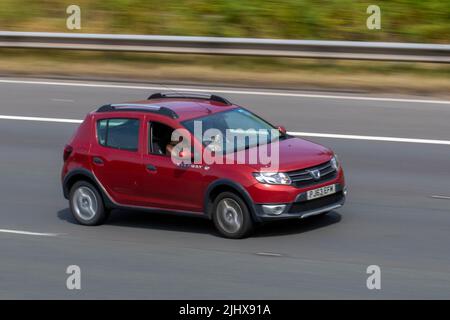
(389, 220)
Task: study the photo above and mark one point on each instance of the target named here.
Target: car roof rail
(139, 108)
(189, 95)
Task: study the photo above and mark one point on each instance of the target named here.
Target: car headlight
(272, 177)
(335, 162)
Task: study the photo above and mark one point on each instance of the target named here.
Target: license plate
(321, 192)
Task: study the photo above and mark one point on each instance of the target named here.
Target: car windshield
(232, 130)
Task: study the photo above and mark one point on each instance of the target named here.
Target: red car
(122, 156)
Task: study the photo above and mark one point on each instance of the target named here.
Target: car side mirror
(282, 130)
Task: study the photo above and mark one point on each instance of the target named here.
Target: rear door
(116, 157)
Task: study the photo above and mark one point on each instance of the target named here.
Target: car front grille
(315, 204)
(304, 178)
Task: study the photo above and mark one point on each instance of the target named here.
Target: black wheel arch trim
(233, 185)
(70, 175)
(86, 173)
(207, 205)
(110, 203)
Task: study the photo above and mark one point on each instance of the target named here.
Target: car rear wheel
(231, 216)
(86, 204)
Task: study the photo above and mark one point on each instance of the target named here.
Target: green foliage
(401, 20)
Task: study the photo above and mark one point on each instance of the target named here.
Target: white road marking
(269, 254)
(245, 92)
(369, 138)
(29, 233)
(40, 119)
(441, 197)
(62, 100)
(301, 134)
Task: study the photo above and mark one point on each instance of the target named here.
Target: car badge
(315, 174)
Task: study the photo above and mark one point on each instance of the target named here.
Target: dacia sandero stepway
(121, 156)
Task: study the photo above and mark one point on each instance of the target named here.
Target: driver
(169, 147)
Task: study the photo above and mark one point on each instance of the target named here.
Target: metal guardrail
(352, 50)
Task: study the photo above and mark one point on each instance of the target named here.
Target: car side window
(120, 134)
(160, 136)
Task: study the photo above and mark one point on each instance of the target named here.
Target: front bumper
(302, 208)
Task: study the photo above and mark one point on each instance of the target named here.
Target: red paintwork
(128, 182)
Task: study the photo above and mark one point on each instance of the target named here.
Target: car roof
(180, 108)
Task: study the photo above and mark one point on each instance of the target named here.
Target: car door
(116, 157)
(167, 185)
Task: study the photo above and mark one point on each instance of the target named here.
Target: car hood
(294, 154)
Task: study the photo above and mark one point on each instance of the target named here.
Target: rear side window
(118, 133)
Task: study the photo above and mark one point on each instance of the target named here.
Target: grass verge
(288, 73)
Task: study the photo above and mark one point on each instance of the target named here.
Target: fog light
(345, 191)
(276, 209)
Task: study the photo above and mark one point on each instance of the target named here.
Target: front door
(165, 184)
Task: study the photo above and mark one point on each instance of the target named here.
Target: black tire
(88, 210)
(239, 212)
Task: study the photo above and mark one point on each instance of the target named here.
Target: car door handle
(150, 167)
(98, 160)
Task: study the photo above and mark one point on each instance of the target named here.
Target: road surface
(392, 217)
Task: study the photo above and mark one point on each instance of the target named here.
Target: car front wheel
(86, 204)
(231, 216)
